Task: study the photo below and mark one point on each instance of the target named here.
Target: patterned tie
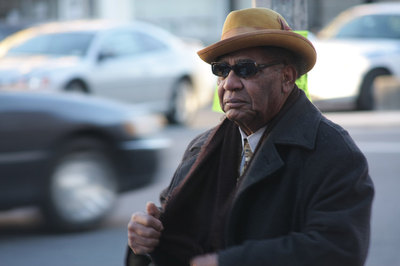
(247, 155)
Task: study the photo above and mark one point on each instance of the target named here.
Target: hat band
(238, 31)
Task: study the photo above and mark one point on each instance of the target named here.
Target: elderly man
(276, 183)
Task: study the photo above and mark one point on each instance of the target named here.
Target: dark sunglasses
(242, 69)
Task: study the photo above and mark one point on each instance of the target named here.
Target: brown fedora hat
(254, 27)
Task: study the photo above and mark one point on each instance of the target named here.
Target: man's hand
(144, 230)
(205, 260)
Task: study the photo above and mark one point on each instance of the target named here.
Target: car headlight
(144, 125)
(30, 83)
(38, 83)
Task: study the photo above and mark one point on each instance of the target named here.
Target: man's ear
(289, 76)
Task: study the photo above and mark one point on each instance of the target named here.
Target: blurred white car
(357, 47)
(8, 29)
(133, 62)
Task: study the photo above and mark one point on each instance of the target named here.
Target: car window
(149, 43)
(131, 43)
(55, 44)
(372, 26)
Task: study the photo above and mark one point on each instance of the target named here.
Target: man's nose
(232, 82)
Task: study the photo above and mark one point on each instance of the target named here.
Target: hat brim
(279, 38)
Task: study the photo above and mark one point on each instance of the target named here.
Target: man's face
(251, 102)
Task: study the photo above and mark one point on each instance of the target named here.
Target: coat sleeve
(336, 225)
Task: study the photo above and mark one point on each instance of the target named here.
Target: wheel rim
(82, 188)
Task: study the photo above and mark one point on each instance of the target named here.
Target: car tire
(183, 105)
(366, 99)
(76, 86)
(82, 187)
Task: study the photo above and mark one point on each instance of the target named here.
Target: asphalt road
(23, 241)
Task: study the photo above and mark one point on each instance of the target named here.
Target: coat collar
(297, 127)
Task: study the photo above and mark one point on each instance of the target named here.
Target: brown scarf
(193, 215)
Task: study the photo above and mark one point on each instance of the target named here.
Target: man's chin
(233, 115)
(239, 116)
(236, 116)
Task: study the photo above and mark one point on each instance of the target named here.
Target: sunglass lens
(245, 69)
(220, 69)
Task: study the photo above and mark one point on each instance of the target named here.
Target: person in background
(276, 182)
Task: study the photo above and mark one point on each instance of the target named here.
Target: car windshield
(72, 43)
(372, 26)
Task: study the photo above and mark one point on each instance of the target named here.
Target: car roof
(358, 11)
(375, 8)
(89, 25)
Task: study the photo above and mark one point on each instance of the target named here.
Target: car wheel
(367, 100)
(183, 105)
(82, 187)
(76, 86)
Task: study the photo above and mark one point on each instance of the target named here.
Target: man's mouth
(233, 103)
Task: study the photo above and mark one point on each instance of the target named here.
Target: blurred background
(98, 100)
(201, 20)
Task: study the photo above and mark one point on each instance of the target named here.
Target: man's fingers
(142, 239)
(141, 245)
(137, 240)
(143, 231)
(147, 246)
(205, 260)
(145, 220)
(141, 250)
(153, 210)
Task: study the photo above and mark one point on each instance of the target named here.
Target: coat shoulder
(335, 137)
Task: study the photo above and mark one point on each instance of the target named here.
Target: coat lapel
(297, 127)
(265, 162)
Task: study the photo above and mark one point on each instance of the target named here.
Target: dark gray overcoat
(304, 200)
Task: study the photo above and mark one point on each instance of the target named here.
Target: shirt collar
(254, 138)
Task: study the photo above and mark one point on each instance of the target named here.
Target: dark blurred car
(360, 46)
(131, 62)
(71, 155)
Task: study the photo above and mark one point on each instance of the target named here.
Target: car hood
(82, 110)
(358, 47)
(28, 64)
(82, 104)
